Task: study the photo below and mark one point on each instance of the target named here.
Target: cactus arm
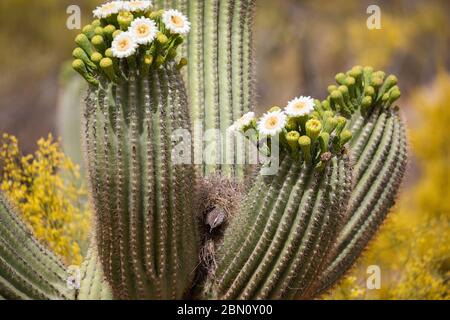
(93, 284)
(292, 227)
(379, 148)
(374, 195)
(27, 269)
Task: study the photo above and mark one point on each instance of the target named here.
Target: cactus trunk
(146, 225)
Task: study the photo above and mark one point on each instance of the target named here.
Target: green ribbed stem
(146, 228)
(94, 285)
(220, 75)
(276, 245)
(381, 151)
(27, 269)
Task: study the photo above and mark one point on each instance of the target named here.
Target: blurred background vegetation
(300, 45)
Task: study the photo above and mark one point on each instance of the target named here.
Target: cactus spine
(27, 269)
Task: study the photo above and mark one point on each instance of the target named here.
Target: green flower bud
(88, 30)
(342, 122)
(155, 14)
(366, 103)
(109, 31)
(356, 72)
(275, 109)
(324, 140)
(305, 146)
(390, 82)
(380, 74)
(96, 57)
(162, 38)
(326, 105)
(79, 66)
(332, 88)
(313, 129)
(79, 53)
(146, 63)
(109, 53)
(376, 82)
(330, 124)
(99, 43)
(340, 78)
(345, 137)
(160, 61)
(368, 70)
(116, 33)
(96, 23)
(125, 18)
(328, 114)
(183, 62)
(107, 65)
(291, 124)
(99, 31)
(350, 81)
(394, 94)
(369, 91)
(292, 140)
(83, 42)
(171, 54)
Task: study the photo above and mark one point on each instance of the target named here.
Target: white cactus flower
(272, 123)
(124, 45)
(300, 106)
(144, 30)
(176, 22)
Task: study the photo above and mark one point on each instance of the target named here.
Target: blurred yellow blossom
(47, 190)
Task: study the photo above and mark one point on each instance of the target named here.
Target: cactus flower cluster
(305, 130)
(132, 32)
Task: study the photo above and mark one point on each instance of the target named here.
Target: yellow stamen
(177, 21)
(271, 122)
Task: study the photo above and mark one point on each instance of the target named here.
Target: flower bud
(305, 146)
(292, 140)
(83, 42)
(313, 129)
(79, 53)
(99, 43)
(107, 65)
(183, 62)
(345, 137)
(79, 66)
(125, 18)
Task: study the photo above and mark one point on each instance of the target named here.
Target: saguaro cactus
(297, 231)
(145, 223)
